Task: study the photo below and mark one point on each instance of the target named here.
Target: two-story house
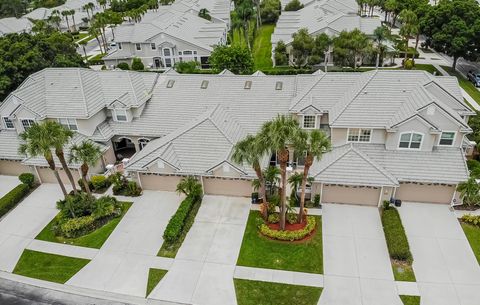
(394, 134)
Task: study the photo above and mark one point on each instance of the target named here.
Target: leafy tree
(409, 27)
(293, 5)
(350, 47)
(281, 56)
(302, 47)
(321, 45)
(236, 58)
(13, 8)
(46, 3)
(88, 155)
(205, 14)
(137, 64)
(270, 10)
(469, 191)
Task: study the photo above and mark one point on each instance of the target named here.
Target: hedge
(177, 221)
(395, 236)
(13, 197)
(290, 235)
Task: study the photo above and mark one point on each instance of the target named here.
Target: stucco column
(137, 147)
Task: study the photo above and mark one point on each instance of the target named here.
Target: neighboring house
(15, 25)
(171, 34)
(321, 16)
(394, 133)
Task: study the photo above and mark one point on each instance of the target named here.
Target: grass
(473, 235)
(397, 244)
(154, 277)
(429, 68)
(465, 84)
(238, 37)
(48, 267)
(410, 299)
(259, 251)
(96, 239)
(266, 293)
(170, 249)
(80, 36)
(262, 47)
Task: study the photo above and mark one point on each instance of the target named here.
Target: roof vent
(170, 83)
(204, 84)
(248, 84)
(278, 85)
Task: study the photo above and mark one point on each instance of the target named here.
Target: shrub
(137, 64)
(105, 206)
(123, 66)
(82, 187)
(133, 189)
(471, 219)
(316, 200)
(76, 205)
(99, 182)
(274, 218)
(409, 64)
(121, 186)
(13, 197)
(291, 218)
(188, 67)
(75, 227)
(27, 178)
(177, 221)
(395, 236)
(293, 5)
(290, 235)
(386, 204)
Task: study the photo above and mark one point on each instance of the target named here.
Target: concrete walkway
(202, 273)
(356, 260)
(279, 276)
(7, 183)
(22, 224)
(444, 264)
(122, 264)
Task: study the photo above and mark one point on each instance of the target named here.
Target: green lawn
(80, 36)
(403, 272)
(410, 299)
(266, 293)
(154, 277)
(465, 84)
(262, 47)
(259, 251)
(48, 267)
(473, 235)
(96, 239)
(428, 68)
(238, 37)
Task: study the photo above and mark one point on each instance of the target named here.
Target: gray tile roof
(9, 144)
(15, 25)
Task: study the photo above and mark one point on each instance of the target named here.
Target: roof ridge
(83, 92)
(307, 91)
(382, 170)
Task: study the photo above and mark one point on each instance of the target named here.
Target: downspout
(380, 197)
(38, 175)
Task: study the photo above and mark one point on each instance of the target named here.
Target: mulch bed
(291, 227)
(465, 207)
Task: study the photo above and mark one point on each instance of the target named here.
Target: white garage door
(159, 183)
(227, 187)
(425, 193)
(47, 176)
(350, 195)
(13, 168)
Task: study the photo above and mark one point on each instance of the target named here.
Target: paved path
(279, 276)
(444, 264)
(7, 183)
(122, 264)
(356, 260)
(22, 224)
(203, 269)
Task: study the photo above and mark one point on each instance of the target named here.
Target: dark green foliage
(27, 178)
(281, 56)
(177, 221)
(316, 200)
(123, 66)
(13, 197)
(187, 67)
(270, 10)
(350, 47)
(137, 64)
(46, 3)
(124, 187)
(293, 5)
(237, 59)
(13, 8)
(395, 236)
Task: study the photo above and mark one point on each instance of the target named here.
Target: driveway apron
(7, 183)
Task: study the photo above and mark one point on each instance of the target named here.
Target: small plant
(471, 219)
(99, 182)
(27, 178)
(292, 218)
(137, 64)
(133, 189)
(386, 204)
(123, 66)
(273, 218)
(316, 200)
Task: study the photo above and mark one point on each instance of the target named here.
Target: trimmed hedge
(290, 235)
(395, 236)
(13, 197)
(177, 221)
(27, 178)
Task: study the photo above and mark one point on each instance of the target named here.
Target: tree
(187, 67)
(245, 11)
(270, 10)
(190, 187)
(137, 64)
(250, 150)
(38, 142)
(236, 58)
(276, 135)
(350, 47)
(13, 8)
(88, 155)
(65, 14)
(281, 56)
(272, 178)
(83, 43)
(314, 144)
(295, 181)
(72, 13)
(380, 34)
(302, 47)
(60, 136)
(409, 28)
(453, 27)
(293, 5)
(321, 46)
(205, 14)
(469, 191)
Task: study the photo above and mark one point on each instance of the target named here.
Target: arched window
(142, 143)
(410, 140)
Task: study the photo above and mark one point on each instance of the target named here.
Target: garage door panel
(227, 187)
(350, 195)
(159, 183)
(13, 168)
(425, 193)
(47, 175)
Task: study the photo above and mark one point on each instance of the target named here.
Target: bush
(121, 186)
(99, 182)
(75, 227)
(177, 221)
(471, 219)
(274, 218)
(395, 236)
(188, 67)
(291, 218)
(316, 200)
(82, 187)
(105, 206)
(137, 64)
(409, 64)
(123, 66)
(293, 5)
(13, 197)
(290, 235)
(76, 205)
(27, 178)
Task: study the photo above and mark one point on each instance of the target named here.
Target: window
(27, 123)
(119, 45)
(166, 52)
(204, 84)
(69, 123)
(309, 121)
(8, 123)
(248, 84)
(120, 115)
(410, 140)
(187, 52)
(142, 143)
(168, 62)
(170, 83)
(359, 135)
(154, 47)
(278, 85)
(447, 138)
(138, 46)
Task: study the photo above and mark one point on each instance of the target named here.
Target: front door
(157, 62)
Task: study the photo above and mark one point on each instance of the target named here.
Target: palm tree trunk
(51, 164)
(306, 168)
(283, 157)
(61, 157)
(84, 169)
(406, 51)
(85, 52)
(68, 24)
(263, 195)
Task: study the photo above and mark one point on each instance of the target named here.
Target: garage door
(47, 176)
(13, 168)
(159, 183)
(227, 187)
(350, 195)
(425, 193)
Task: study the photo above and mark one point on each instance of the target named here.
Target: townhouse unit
(172, 33)
(394, 134)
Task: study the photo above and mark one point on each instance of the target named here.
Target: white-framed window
(309, 121)
(69, 123)
(8, 123)
(166, 52)
(410, 140)
(142, 143)
(187, 52)
(119, 45)
(27, 123)
(447, 138)
(120, 115)
(138, 47)
(359, 135)
(153, 46)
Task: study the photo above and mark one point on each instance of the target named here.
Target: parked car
(474, 77)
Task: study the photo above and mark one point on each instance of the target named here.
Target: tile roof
(15, 25)
(9, 144)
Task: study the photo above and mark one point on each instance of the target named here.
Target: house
(322, 16)
(171, 34)
(394, 134)
(15, 25)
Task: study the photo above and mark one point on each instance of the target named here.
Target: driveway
(444, 264)
(123, 262)
(356, 260)
(203, 269)
(19, 227)
(7, 183)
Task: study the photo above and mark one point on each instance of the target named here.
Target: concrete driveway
(356, 261)
(19, 227)
(202, 273)
(7, 183)
(444, 264)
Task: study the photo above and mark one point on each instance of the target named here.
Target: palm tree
(66, 14)
(314, 143)
(88, 154)
(295, 181)
(469, 191)
(60, 136)
(409, 27)
(272, 178)
(380, 34)
(250, 151)
(94, 31)
(83, 43)
(38, 142)
(86, 8)
(276, 135)
(189, 186)
(72, 13)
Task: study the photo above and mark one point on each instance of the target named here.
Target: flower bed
(291, 234)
